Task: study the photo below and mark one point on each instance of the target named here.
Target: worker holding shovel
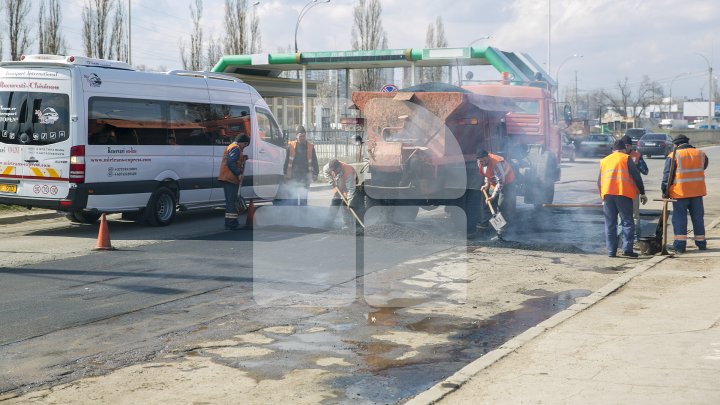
(343, 178)
(499, 179)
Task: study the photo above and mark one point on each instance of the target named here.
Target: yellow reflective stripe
(52, 173)
(700, 237)
(689, 180)
(690, 170)
(680, 237)
(37, 171)
(8, 170)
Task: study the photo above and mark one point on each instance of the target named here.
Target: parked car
(635, 134)
(596, 144)
(655, 144)
(568, 148)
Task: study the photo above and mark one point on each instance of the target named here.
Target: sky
(671, 42)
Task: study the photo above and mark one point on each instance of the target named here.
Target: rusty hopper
(422, 145)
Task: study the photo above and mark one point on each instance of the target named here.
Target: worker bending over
(499, 183)
(346, 193)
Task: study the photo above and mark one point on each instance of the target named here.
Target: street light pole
(250, 31)
(557, 75)
(304, 11)
(670, 93)
(710, 89)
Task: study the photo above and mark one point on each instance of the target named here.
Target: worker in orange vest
(643, 168)
(687, 187)
(619, 182)
(346, 192)
(231, 176)
(500, 181)
(301, 168)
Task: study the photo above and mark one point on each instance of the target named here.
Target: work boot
(631, 255)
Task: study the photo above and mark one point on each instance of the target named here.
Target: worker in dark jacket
(687, 187)
(301, 168)
(231, 176)
(643, 169)
(619, 182)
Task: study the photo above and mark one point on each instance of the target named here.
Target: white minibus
(89, 136)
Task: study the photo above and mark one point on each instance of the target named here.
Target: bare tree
(435, 38)
(192, 59)
(214, 53)
(18, 28)
(96, 26)
(235, 27)
(50, 39)
(367, 34)
(118, 47)
(627, 104)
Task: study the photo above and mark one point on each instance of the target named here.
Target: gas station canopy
(521, 66)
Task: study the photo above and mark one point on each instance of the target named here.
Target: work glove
(643, 199)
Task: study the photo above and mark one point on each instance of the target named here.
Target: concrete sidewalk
(652, 336)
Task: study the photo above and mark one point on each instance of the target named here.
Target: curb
(22, 216)
(465, 374)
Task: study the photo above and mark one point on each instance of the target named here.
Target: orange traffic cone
(250, 219)
(103, 241)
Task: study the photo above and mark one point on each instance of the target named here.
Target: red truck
(422, 141)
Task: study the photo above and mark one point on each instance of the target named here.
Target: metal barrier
(334, 144)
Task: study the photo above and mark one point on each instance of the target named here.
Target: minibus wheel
(80, 217)
(160, 210)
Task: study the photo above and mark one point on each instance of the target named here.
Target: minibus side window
(229, 121)
(132, 121)
(187, 125)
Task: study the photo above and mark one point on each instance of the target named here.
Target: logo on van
(94, 80)
(47, 116)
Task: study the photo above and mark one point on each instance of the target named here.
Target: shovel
(497, 221)
(347, 205)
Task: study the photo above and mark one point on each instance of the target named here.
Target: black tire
(544, 183)
(131, 215)
(81, 217)
(160, 210)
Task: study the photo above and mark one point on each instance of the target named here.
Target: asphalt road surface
(383, 316)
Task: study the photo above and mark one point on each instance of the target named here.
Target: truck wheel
(80, 217)
(160, 210)
(545, 180)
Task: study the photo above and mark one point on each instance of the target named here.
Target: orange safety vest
(615, 177)
(225, 173)
(493, 161)
(689, 178)
(291, 156)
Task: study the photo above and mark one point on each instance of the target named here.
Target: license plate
(8, 188)
(649, 143)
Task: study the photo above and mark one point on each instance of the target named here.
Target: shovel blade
(498, 221)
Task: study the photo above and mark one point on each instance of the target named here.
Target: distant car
(655, 144)
(635, 134)
(596, 144)
(568, 148)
